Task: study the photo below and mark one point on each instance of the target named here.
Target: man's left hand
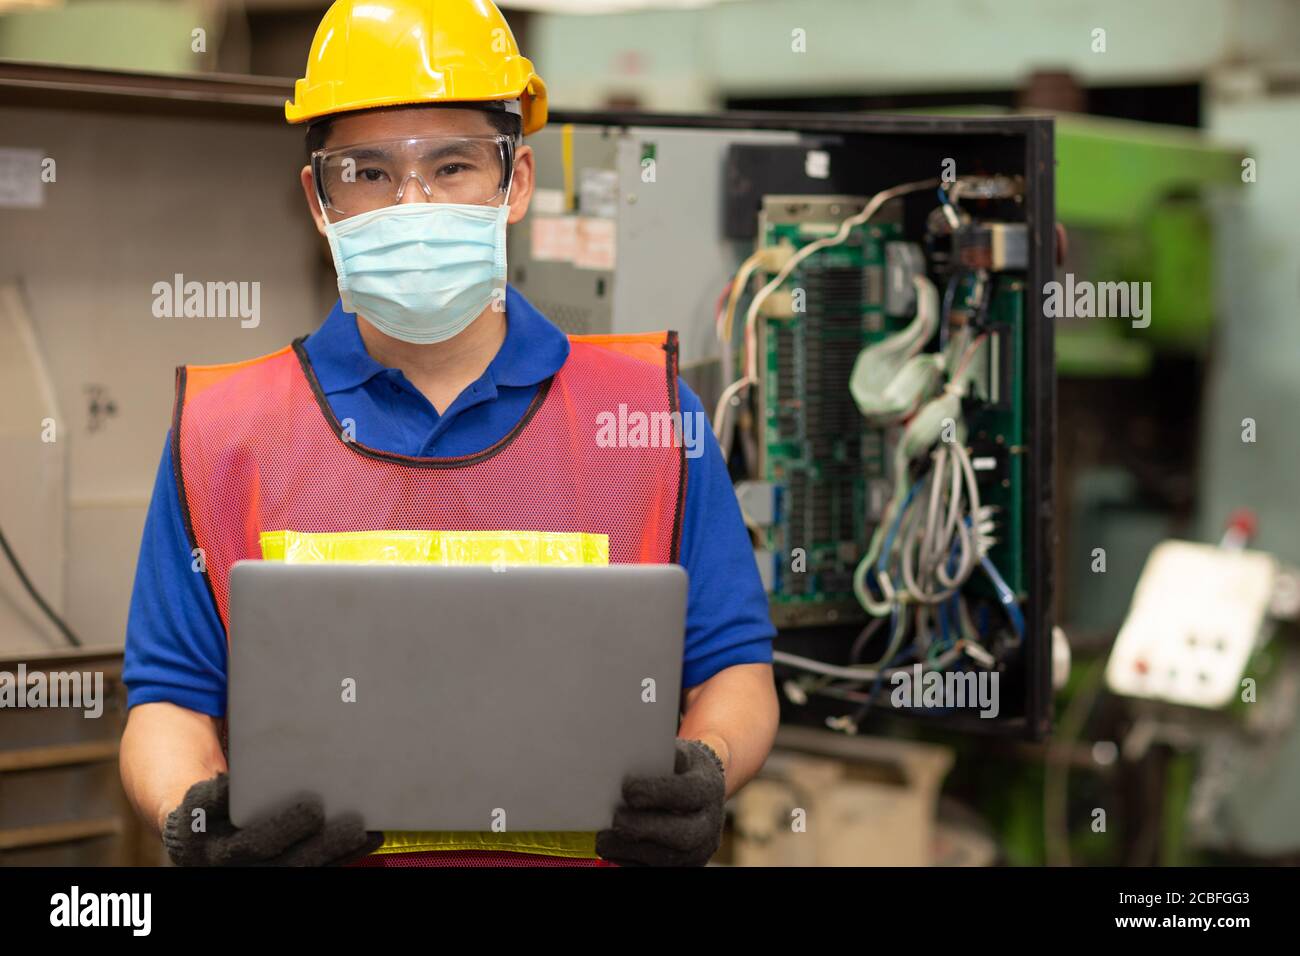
(670, 820)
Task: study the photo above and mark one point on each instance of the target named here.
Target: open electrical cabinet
(860, 298)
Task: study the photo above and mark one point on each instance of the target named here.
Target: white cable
(720, 414)
(862, 673)
(724, 332)
(751, 317)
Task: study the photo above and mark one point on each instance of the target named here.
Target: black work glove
(673, 820)
(297, 835)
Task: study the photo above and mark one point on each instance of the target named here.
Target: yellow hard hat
(370, 53)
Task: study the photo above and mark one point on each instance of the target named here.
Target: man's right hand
(297, 835)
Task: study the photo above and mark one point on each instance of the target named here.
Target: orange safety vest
(259, 451)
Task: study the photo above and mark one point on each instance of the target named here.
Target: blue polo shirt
(175, 643)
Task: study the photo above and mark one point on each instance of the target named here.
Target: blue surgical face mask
(421, 272)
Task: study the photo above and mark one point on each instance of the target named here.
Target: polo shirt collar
(533, 350)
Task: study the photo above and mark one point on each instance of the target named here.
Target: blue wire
(898, 523)
(945, 312)
(1006, 596)
(953, 618)
(948, 610)
(880, 675)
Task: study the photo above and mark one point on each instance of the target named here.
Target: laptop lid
(432, 698)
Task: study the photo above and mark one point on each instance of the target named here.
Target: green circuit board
(831, 471)
(996, 426)
(816, 450)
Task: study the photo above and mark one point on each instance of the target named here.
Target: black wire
(945, 311)
(864, 635)
(986, 300)
(35, 595)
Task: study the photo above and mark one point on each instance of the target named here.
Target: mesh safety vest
(259, 454)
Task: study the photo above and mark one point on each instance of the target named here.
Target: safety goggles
(474, 170)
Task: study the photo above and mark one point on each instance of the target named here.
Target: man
(434, 398)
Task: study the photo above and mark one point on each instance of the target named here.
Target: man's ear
(313, 201)
(521, 186)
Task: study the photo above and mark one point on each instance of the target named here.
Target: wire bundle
(935, 533)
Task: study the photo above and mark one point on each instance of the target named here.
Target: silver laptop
(433, 698)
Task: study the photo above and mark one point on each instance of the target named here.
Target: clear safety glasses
(474, 170)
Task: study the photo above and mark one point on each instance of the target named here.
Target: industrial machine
(855, 298)
(1208, 669)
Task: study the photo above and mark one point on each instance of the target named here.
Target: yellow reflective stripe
(497, 548)
(566, 163)
(547, 844)
(451, 548)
